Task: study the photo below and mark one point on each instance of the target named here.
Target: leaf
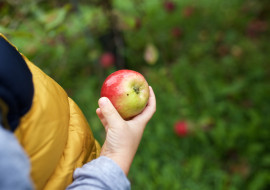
(124, 21)
(55, 17)
(259, 181)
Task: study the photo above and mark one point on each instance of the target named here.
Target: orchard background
(207, 61)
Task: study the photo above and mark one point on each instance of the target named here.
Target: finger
(110, 114)
(102, 119)
(151, 106)
(149, 110)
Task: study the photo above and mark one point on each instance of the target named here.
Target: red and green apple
(128, 91)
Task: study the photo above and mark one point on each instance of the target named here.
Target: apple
(169, 6)
(128, 91)
(188, 11)
(107, 59)
(181, 128)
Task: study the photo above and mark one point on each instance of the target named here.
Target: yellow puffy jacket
(54, 133)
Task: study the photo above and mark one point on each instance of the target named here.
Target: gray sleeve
(14, 164)
(101, 173)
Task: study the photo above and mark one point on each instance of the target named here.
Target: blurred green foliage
(208, 63)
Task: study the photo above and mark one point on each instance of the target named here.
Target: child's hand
(123, 137)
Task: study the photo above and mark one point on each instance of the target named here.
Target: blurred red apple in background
(169, 6)
(181, 128)
(128, 91)
(107, 60)
(188, 11)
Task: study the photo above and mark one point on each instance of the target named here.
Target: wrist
(124, 161)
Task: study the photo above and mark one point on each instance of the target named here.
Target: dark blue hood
(16, 86)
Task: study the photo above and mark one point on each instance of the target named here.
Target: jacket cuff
(101, 173)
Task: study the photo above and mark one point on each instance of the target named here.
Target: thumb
(109, 112)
